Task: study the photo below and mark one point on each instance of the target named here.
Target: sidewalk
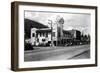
(42, 49)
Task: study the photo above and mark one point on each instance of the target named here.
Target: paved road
(57, 53)
(84, 55)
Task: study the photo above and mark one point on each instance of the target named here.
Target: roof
(34, 24)
(66, 32)
(49, 30)
(43, 31)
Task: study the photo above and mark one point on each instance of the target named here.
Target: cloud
(71, 20)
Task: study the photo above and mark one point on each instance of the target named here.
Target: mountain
(28, 24)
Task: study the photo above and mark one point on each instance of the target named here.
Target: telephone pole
(51, 22)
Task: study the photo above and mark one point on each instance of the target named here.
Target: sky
(77, 21)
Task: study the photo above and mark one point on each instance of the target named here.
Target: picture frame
(67, 27)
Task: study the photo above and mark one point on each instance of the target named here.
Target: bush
(28, 46)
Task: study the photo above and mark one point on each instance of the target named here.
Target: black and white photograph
(56, 35)
(51, 36)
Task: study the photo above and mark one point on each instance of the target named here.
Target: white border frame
(33, 64)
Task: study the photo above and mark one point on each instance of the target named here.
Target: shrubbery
(28, 46)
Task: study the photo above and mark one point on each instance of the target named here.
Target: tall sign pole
(51, 22)
(57, 27)
(60, 22)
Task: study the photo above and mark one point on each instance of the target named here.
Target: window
(53, 34)
(43, 40)
(37, 39)
(33, 34)
(37, 35)
(43, 34)
(40, 34)
(46, 34)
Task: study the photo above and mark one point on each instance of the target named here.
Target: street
(58, 53)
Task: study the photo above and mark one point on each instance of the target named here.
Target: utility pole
(51, 22)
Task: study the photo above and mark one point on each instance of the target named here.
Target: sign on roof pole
(51, 22)
(60, 22)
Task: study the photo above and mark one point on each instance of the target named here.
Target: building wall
(45, 36)
(38, 38)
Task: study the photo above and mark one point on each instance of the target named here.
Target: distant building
(76, 34)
